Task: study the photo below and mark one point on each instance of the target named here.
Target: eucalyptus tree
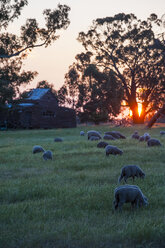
(96, 95)
(14, 48)
(129, 47)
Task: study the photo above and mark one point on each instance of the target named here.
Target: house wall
(45, 113)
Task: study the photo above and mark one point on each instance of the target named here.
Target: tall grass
(68, 202)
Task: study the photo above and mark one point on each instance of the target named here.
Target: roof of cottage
(37, 94)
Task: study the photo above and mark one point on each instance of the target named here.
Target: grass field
(68, 202)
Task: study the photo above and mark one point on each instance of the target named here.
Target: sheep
(129, 193)
(131, 171)
(147, 136)
(112, 150)
(37, 149)
(94, 138)
(58, 140)
(141, 138)
(162, 132)
(153, 142)
(82, 133)
(102, 144)
(116, 134)
(135, 135)
(108, 137)
(47, 155)
(93, 133)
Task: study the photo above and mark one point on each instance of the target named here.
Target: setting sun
(139, 108)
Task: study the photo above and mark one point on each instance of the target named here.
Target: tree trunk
(156, 116)
(138, 119)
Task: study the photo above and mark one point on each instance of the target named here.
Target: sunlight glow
(130, 112)
(139, 108)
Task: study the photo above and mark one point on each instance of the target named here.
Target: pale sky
(53, 62)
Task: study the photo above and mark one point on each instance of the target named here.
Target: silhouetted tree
(95, 94)
(31, 34)
(14, 49)
(126, 45)
(11, 78)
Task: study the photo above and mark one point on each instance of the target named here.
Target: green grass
(68, 202)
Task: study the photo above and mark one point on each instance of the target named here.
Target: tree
(126, 45)
(14, 49)
(11, 78)
(95, 94)
(31, 34)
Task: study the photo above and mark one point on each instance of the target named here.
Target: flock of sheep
(125, 193)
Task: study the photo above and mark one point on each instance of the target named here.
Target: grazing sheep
(147, 136)
(112, 150)
(94, 138)
(82, 133)
(129, 193)
(93, 133)
(102, 144)
(162, 132)
(116, 134)
(153, 142)
(141, 138)
(135, 135)
(58, 140)
(37, 149)
(108, 137)
(131, 171)
(47, 155)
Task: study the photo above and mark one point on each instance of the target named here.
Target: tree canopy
(31, 34)
(131, 49)
(96, 95)
(14, 48)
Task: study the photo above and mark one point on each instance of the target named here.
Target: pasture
(68, 202)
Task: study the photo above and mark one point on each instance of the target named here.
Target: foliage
(131, 48)
(95, 94)
(68, 202)
(11, 78)
(31, 34)
(14, 49)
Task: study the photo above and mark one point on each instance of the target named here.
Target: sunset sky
(52, 63)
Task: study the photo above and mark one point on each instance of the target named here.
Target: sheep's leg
(120, 204)
(137, 203)
(125, 179)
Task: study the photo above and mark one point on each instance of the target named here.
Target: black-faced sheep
(82, 133)
(47, 155)
(93, 133)
(129, 193)
(102, 144)
(37, 149)
(108, 137)
(58, 140)
(153, 142)
(112, 150)
(135, 135)
(131, 171)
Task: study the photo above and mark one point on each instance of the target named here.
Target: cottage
(40, 110)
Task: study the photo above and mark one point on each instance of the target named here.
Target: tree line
(123, 62)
